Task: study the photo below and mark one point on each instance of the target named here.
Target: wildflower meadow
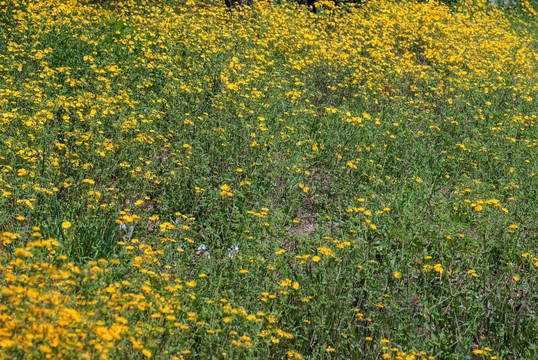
(184, 180)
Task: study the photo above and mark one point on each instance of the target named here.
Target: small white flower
(131, 231)
(232, 250)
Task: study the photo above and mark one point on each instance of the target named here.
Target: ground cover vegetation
(183, 181)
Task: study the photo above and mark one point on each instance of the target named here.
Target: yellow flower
(166, 226)
(316, 258)
(146, 353)
(136, 344)
(397, 275)
(21, 253)
(472, 273)
(6, 343)
(304, 187)
(226, 190)
(286, 282)
(104, 333)
(66, 225)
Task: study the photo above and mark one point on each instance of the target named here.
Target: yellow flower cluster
(179, 180)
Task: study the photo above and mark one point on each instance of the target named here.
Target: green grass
(374, 166)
